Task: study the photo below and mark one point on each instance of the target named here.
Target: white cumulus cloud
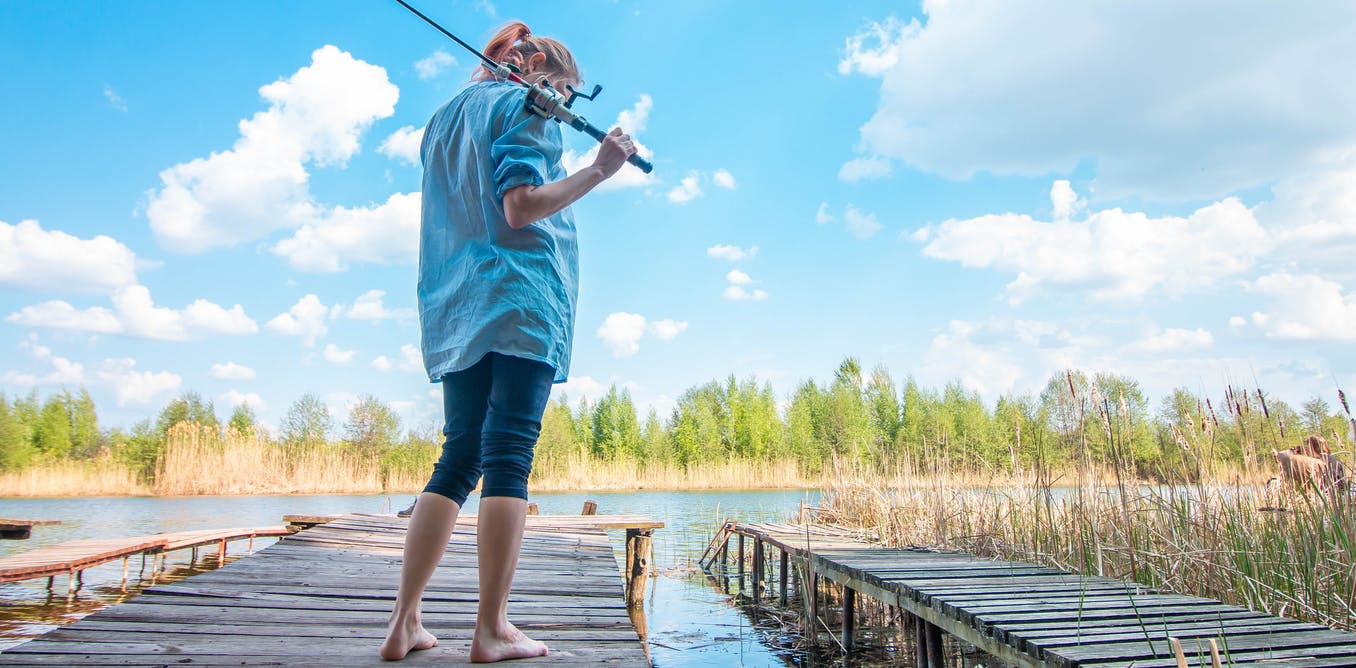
(305, 319)
(369, 306)
(132, 387)
(1305, 307)
(667, 330)
(52, 260)
(135, 314)
(1230, 96)
(386, 233)
(232, 371)
(232, 398)
(430, 66)
(336, 355)
(621, 332)
(1173, 340)
(1113, 253)
(403, 144)
(731, 253)
(860, 224)
(723, 179)
(315, 117)
(687, 189)
(868, 168)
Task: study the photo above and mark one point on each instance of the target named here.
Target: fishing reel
(544, 100)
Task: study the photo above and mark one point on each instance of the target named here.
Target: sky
(223, 197)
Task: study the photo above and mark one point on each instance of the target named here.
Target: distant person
(1312, 464)
(498, 282)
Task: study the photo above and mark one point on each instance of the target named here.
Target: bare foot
(401, 639)
(509, 643)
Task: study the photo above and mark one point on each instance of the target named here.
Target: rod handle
(635, 159)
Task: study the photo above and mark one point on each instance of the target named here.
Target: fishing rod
(542, 99)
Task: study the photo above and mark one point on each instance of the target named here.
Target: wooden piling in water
(639, 545)
(849, 614)
(590, 508)
(781, 584)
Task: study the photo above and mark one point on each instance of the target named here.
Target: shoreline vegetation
(728, 434)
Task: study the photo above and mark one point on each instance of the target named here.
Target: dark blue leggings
(493, 412)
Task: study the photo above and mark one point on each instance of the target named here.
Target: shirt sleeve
(526, 151)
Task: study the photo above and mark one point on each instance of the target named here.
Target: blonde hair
(516, 37)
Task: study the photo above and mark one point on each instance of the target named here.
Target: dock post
(813, 622)
(920, 642)
(532, 509)
(221, 553)
(849, 612)
(50, 578)
(70, 582)
(757, 577)
(124, 571)
(936, 656)
(740, 558)
(590, 508)
(638, 546)
(782, 583)
(193, 556)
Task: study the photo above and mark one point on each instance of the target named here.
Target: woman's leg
(465, 401)
(519, 391)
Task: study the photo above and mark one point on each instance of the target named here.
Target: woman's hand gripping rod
(541, 98)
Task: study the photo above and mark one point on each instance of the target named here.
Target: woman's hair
(515, 36)
(1318, 445)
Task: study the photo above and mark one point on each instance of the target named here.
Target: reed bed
(580, 473)
(96, 477)
(1280, 551)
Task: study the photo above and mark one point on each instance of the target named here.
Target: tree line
(855, 417)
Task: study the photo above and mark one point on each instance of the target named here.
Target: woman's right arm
(527, 204)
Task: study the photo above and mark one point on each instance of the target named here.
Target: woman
(498, 280)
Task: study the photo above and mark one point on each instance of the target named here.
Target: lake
(690, 622)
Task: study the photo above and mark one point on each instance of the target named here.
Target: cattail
(1178, 438)
(1125, 408)
(1262, 399)
(1213, 418)
(1343, 398)
(1280, 422)
(1068, 375)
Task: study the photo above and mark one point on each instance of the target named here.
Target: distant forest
(864, 419)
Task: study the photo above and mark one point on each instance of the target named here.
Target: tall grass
(86, 477)
(1286, 552)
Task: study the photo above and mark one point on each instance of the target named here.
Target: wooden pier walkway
(1023, 614)
(17, 529)
(70, 558)
(322, 597)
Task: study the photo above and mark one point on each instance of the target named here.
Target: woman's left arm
(527, 204)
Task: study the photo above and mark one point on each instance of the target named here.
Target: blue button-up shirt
(484, 287)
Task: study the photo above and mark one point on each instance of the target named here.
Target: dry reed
(1229, 542)
(97, 477)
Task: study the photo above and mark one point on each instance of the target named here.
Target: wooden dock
(1023, 614)
(17, 529)
(73, 557)
(322, 597)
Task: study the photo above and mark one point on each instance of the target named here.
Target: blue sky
(219, 197)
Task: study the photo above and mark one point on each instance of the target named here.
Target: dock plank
(324, 595)
(1037, 616)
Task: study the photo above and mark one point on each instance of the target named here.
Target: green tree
(188, 407)
(16, 448)
(372, 425)
(616, 432)
(86, 440)
(307, 421)
(52, 433)
(243, 419)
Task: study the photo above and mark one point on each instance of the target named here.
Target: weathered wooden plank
(326, 594)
